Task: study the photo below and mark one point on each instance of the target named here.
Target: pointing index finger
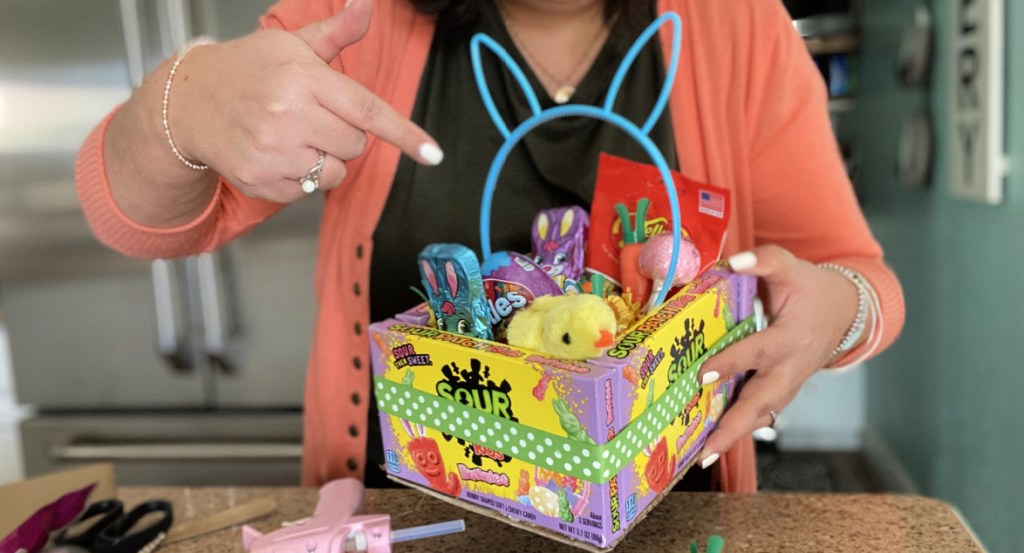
(361, 108)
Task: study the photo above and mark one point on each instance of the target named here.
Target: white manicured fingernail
(710, 377)
(766, 434)
(709, 460)
(431, 154)
(743, 261)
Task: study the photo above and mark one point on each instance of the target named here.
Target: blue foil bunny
(455, 289)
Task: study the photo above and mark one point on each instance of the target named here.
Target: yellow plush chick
(574, 327)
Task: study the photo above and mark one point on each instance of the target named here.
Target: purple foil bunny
(560, 241)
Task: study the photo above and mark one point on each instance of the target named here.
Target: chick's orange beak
(605, 341)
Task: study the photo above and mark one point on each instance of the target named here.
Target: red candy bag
(704, 210)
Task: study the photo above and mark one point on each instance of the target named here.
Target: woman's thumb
(330, 36)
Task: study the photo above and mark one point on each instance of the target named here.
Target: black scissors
(115, 531)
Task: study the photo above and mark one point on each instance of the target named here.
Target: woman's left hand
(810, 309)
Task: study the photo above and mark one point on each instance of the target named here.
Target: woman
(243, 123)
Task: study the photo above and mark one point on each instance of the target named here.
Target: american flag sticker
(712, 204)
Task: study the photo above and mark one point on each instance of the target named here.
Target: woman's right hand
(256, 109)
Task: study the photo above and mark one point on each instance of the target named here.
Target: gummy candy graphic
(659, 467)
(717, 407)
(545, 501)
(429, 463)
(542, 387)
(564, 512)
(570, 423)
(524, 483)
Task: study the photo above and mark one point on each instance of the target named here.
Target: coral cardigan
(748, 113)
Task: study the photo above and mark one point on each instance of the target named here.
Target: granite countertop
(790, 523)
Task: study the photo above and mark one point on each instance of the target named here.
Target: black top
(555, 165)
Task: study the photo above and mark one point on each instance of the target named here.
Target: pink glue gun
(335, 527)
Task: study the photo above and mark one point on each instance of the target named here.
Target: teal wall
(947, 396)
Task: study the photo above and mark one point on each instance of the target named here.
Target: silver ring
(311, 182)
(775, 416)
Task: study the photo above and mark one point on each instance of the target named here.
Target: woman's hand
(810, 309)
(256, 109)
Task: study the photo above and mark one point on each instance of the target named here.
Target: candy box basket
(577, 451)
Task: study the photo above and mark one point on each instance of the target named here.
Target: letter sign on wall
(977, 164)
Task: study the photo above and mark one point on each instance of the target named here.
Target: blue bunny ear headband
(604, 113)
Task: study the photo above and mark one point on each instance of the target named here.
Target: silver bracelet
(167, 95)
(856, 330)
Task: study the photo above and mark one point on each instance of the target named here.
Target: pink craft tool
(335, 527)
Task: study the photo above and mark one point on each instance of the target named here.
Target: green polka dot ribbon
(593, 463)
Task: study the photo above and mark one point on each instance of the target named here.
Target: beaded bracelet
(856, 330)
(167, 95)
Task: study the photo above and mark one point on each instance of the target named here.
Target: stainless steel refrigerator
(184, 371)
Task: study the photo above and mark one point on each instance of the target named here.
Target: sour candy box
(575, 450)
(578, 451)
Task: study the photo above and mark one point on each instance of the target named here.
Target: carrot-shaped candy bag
(633, 237)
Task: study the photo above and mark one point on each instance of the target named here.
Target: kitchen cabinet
(831, 32)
